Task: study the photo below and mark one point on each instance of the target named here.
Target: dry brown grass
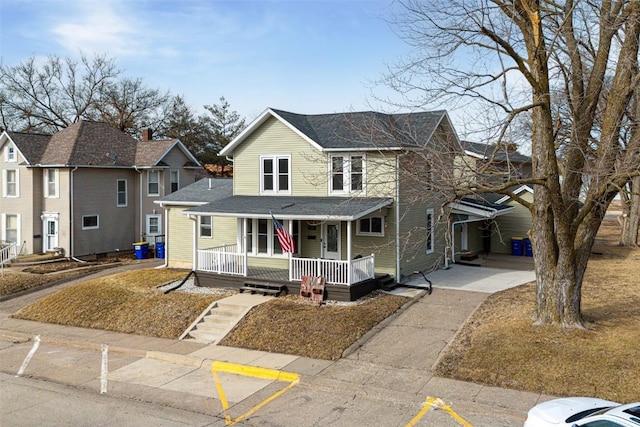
(126, 302)
(289, 325)
(500, 347)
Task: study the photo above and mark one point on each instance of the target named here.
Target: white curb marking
(36, 344)
(103, 375)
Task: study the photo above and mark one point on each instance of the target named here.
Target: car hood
(557, 410)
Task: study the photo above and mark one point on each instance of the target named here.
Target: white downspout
(141, 225)
(195, 241)
(166, 235)
(71, 217)
(397, 219)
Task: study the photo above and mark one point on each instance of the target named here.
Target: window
(153, 224)
(347, 173)
(153, 183)
(205, 227)
(430, 231)
(90, 222)
(373, 226)
(51, 183)
(121, 193)
(175, 181)
(10, 183)
(262, 238)
(11, 228)
(275, 174)
(10, 154)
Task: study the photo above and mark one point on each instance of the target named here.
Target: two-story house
(87, 189)
(342, 185)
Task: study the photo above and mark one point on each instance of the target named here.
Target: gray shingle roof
(203, 191)
(498, 153)
(292, 207)
(366, 130)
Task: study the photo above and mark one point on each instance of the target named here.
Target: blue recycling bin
(141, 250)
(528, 250)
(517, 246)
(159, 249)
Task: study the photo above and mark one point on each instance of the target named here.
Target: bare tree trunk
(631, 220)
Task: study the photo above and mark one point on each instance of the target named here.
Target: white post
(349, 253)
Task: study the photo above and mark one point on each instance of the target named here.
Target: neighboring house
(87, 189)
(487, 222)
(337, 184)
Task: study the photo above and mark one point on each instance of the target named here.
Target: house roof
(479, 207)
(488, 151)
(89, 143)
(292, 207)
(200, 192)
(367, 130)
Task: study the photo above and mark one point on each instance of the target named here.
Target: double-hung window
(275, 174)
(11, 228)
(347, 174)
(51, 183)
(11, 183)
(262, 240)
(430, 231)
(153, 183)
(175, 180)
(205, 226)
(10, 154)
(373, 226)
(122, 193)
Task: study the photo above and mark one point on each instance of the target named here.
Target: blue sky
(302, 56)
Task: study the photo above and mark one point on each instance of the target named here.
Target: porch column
(195, 241)
(349, 252)
(245, 246)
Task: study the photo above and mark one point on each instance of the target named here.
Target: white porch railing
(8, 251)
(334, 272)
(222, 260)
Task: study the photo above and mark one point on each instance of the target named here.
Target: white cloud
(99, 26)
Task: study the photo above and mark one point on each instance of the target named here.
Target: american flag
(285, 239)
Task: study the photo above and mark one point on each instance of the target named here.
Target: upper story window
(275, 174)
(51, 183)
(121, 191)
(347, 173)
(205, 226)
(373, 226)
(175, 181)
(153, 183)
(430, 231)
(10, 154)
(11, 185)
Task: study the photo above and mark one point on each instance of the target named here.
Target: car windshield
(580, 415)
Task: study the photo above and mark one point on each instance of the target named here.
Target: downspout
(71, 217)
(166, 234)
(397, 213)
(195, 241)
(140, 224)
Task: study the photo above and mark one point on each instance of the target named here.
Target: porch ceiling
(290, 207)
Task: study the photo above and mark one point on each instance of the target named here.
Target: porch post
(245, 260)
(349, 253)
(295, 243)
(195, 241)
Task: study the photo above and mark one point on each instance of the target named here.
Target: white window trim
(56, 177)
(4, 227)
(126, 194)
(371, 233)
(431, 229)
(5, 183)
(148, 223)
(275, 158)
(210, 227)
(271, 235)
(10, 154)
(97, 226)
(177, 174)
(149, 182)
(346, 172)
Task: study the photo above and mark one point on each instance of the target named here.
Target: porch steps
(387, 283)
(262, 288)
(221, 317)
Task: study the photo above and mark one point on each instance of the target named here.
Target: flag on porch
(285, 239)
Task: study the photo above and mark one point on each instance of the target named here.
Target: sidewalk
(386, 375)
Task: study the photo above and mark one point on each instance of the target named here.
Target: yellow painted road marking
(249, 371)
(433, 402)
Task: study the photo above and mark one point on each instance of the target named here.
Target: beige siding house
(87, 189)
(335, 184)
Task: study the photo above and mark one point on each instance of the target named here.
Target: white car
(583, 412)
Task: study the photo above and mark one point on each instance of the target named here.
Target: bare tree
(515, 57)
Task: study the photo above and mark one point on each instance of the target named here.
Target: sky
(302, 56)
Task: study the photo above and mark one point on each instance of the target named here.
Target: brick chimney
(147, 134)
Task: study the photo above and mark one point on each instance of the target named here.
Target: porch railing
(222, 260)
(8, 251)
(334, 272)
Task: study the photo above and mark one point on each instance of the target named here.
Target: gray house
(87, 189)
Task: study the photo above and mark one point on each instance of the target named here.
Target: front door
(331, 240)
(50, 226)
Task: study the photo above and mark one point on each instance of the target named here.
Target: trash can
(159, 249)
(528, 250)
(517, 246)
(141, 249)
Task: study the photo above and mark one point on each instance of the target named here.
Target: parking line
(249, 371)
(433, 402)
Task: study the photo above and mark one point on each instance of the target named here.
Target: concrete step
(210, 327)
(227, 321)
(204, 337)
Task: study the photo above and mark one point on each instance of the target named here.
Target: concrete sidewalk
(384, 380)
